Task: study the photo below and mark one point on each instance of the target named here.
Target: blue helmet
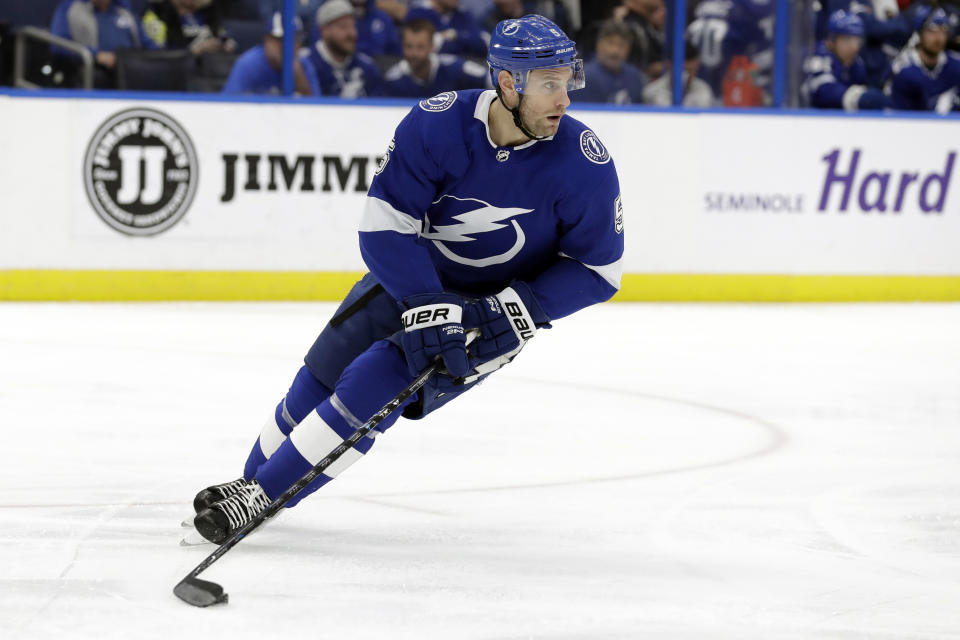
(842, 23)
(532, 42)
(926, 17)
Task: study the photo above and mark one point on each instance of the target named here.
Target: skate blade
(192, 539)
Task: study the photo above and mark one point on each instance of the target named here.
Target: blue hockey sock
(305, 393)
(370, 381)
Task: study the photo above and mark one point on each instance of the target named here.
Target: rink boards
(142, 199)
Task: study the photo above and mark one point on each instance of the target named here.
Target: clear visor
(551, 80)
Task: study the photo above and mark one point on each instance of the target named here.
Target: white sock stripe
(345, 413)
(314, 438)
(520, 319)
(348, 458)
(286, 415)
(271, 437)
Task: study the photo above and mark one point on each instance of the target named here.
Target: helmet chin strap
(516, 115)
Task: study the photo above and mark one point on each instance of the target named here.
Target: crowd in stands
(866, 54)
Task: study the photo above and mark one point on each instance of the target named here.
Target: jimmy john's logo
(140, 172)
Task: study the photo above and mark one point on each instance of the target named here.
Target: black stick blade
(199, 593)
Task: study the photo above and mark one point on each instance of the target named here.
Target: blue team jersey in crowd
(883, 38)
(447, 73)
(376, 33)
(109, 30)
(602, 85)
(252, 73)
(470, 40)
(723, 29)
(450, 211)
(827, 80)
(914, 87)
(356, 77)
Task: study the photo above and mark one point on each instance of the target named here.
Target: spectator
(503, 10)
(726, 29)
(376, 33)
(513, 9)
(696, 92)
(647, 19)
(925, 76)
(885, 33)
(477, 8)
(186, 24)
(423, 73)
(610, 78)
(342, 71)
(103, 27)
(260, 69)
(457, 31)
(836, 75)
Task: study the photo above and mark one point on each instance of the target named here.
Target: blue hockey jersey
(450, 211)
(827, 80)
(723, 29)
(376, 33)
(447, 73)
(883, 37)
(356, 77)
(914, 87)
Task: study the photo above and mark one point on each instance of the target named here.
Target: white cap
(333, 10)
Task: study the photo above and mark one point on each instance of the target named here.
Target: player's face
(545, 100)
(417, 47)
(933, 40)
(341, 35)
(846, 48)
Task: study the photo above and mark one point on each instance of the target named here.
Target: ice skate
(220, 520)
(216, 493)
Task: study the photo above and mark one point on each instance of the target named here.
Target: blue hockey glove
(506, 321)
(431, 328)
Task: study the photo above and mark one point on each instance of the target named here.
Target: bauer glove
(506, 321)
(431, 328)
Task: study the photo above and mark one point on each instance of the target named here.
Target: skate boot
(220, 520)
(216, 493)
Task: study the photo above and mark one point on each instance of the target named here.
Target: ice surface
(648, 471)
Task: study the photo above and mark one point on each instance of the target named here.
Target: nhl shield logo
(503, 155)
(140, 172)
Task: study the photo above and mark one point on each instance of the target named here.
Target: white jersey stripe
(379, 215)
(612, 272)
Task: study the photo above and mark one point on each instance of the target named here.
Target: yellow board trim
(146, 286)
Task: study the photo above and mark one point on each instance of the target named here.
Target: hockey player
(836, 76)
(490, 210)
(925, 76)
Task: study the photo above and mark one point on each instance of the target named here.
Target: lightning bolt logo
(484, 219)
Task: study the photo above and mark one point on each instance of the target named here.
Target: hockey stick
(203, 593)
